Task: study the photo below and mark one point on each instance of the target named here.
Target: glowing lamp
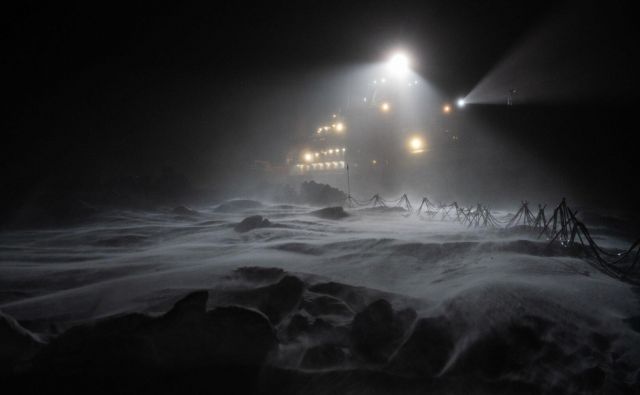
(416, 145)
(398, 64)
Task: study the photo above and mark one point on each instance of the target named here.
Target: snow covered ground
(480, 279)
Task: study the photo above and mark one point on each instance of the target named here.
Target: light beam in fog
(569, 57)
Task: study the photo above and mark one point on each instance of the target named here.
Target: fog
(131, 260)
(226, 199)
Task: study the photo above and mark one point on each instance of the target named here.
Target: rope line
(561, 228)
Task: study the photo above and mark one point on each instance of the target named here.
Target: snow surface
(138, 261)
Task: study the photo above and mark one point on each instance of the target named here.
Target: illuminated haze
(207, 100)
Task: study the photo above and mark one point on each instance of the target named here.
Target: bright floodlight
(461, 102)
(398, 64)
(339, 126)
(308, 157)
(385, 107)
(446, 109)
(416, 145)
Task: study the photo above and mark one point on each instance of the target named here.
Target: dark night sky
(104, 89)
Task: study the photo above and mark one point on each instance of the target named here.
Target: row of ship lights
(309, 157)
(338, 126)
(322, 165)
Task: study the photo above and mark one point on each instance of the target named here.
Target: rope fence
(561, 228)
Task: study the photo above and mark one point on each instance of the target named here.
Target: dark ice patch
(326, 305)
(335, 213)
(276, 301)
(252, 222)
(353, 296)
(323, 356)
(16, 344)
(426, 351)
(377, 331)
(260, 274)
(187, 347)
